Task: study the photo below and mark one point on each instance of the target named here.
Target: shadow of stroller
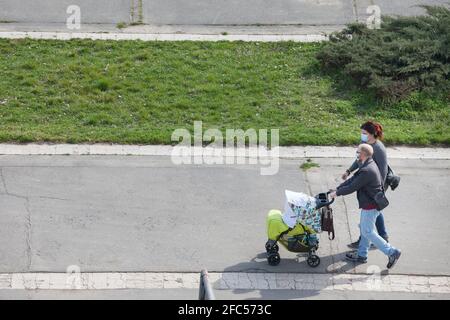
(331, 266)
(295, 263)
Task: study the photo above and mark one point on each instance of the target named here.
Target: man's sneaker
(355, 245)
(354, 257)
(393, 258)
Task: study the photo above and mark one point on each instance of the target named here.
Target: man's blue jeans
(369, 234)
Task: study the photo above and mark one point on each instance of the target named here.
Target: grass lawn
(139, 92)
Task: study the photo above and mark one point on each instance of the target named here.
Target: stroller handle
(324, 204)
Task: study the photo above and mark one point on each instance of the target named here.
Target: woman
(372, 133)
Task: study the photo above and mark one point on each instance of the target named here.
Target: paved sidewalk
(294, 152)
(207, 12)
(178, 29)
(147, 214)
(205, 20)
(143, 224)
(161, 37)
(199, 20)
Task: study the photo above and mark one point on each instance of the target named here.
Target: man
(367, 183)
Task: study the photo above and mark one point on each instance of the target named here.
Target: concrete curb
(163, 37)
(295, 152)
(225, 281)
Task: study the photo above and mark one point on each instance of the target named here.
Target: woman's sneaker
(393, 258)
(355, 245)
(354, 257)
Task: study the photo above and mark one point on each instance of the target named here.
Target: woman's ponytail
(378, 130)
(374, 128)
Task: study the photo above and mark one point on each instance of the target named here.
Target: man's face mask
(358, 156)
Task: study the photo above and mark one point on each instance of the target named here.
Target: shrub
(404, 55)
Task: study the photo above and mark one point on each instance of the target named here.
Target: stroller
(297, 228)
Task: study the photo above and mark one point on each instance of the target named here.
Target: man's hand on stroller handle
(332, 194)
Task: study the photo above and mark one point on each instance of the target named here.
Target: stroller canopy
(301, 208)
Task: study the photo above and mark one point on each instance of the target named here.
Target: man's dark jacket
(366, 182)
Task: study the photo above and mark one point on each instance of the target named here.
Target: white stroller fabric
(300, 207)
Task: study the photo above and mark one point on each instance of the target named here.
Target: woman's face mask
(364, 137)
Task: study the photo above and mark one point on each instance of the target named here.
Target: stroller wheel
(274, 259)
(272, 249)
(313, 261)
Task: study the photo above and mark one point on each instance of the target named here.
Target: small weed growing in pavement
(308, 165)
(121, 25)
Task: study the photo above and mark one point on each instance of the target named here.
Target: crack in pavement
(28, 222)
(348, 220)
(348, 227)
(6, 188)
(3, 181)
(51, 198)
(15, 195)
(330, 243)
(355, 10)
(29, 233)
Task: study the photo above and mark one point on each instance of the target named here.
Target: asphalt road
(207, 12)
(126, 213)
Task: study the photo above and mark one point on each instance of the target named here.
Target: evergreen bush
(406, 54)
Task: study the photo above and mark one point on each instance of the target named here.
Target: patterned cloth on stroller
(301, 208)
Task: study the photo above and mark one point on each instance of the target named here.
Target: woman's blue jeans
(381, 228)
